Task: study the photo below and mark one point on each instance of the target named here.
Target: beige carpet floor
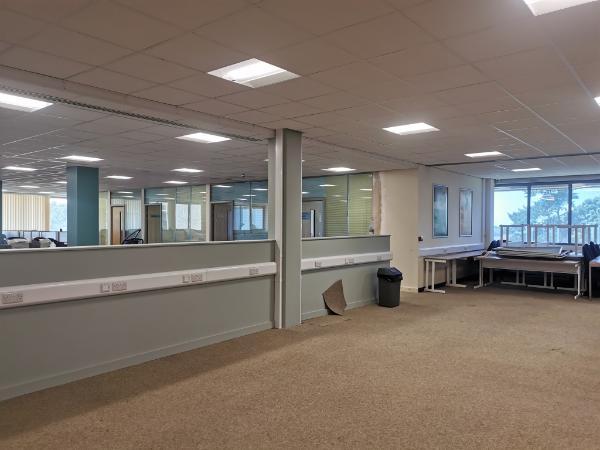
(495, 368)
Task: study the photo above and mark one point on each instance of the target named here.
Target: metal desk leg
(589, 282)
(480, 275)
(451, 276)
(431, 288)
(578, 283)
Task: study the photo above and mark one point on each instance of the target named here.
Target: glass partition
(132, 201)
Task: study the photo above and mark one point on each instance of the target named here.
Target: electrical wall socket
(349, 260)
(186, 278)
(105, 288)
(196, 277)
(253, 271)
(119, 286)
(379, 258)
(318, 264)
(10, 298)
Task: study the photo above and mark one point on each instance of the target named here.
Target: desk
(431, 261)
(565, 266)
(592, 264)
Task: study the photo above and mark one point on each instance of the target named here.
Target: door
(117, 220)
(222, 221)
(312, 219)
(153, 224)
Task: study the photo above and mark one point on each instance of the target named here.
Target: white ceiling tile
(510, 37)
(336, 100)
(33, 61)
(417, 60)
(444, 18)
(354, 74)
(127, 28)
(380, 92)
(150, 68)
(590, 75)
(447, 79)
(76, 46)
(46, 10)
(253, 31)
(321, 17)
(298, 89)
(208, 85)
(253, 99)
(386, 34)
(215, 107)
(291, 110)
(15, 27)
(168, 95)
(308, 57)
(188, 14)
(112, 81)
(254, 116)
(196, 52)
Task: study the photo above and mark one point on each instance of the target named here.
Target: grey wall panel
(67, 264)
(313, 248)
(360, 287)
(46, 345)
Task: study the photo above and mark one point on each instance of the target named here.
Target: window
(58, 214)
(510, 208)
(547, 204)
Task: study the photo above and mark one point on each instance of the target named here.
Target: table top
(595, 262)
(451, 256)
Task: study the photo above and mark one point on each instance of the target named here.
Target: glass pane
(167, 198)
(132, 200)
(332, 191)
(510, 208)
(360, 204)
(103, 217)
(586, 205)
(197, 208)
(58, 214)
(550, 206)
(246, 196)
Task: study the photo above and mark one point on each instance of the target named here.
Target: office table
(593, 264)
(564, 266)
(431, 261)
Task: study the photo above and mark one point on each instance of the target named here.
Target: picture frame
(440, 211)
(465, 212)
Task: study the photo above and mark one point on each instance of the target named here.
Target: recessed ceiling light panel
(539, 7)
(186, 170)
(527, 169)
(175, 182)
(26, 186)
(484, 154)
(19, 103)
(82, 158)
(205, 138)
(119, 177)
(20, 168)
(339, 169)
(254, 73)
(411, 128)
(597, 100)
(224, 186)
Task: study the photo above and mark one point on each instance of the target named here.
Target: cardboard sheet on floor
(334, 298)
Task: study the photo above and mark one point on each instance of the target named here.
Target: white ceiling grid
(487, 73)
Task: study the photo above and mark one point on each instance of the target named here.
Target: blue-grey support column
(83, 226)
(285, 226)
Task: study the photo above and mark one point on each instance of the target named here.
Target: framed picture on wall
(465, 212)
(440, 211)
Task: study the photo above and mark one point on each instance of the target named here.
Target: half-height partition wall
(69, 313)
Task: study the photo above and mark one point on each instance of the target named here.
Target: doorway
(117, 221)
(222, 221)
(312, 219)
(153, 224)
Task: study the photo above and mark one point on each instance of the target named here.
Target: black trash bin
(389, 279)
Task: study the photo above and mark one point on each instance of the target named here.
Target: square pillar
(83, 227)
(285, 226)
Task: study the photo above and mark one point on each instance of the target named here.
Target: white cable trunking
(326, 262)
(34, 294)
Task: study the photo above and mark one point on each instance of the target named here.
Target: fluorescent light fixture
(528, 169)
(21, 103)
(119, 177)
(253, 73)
(304, 192)
(175, 182)
(539, 7)
(597, 100)
(327, 185)
(46, 192)
(20, 168)
(26, 186)
(366, 189)
(484, 154)
(124, 192)
(61, 182)
(339, 169)
(411, 128)
(82, 158)
(205, 138)
(163, 195)
(128, 196)
(186, 170)
(243, 199)
(249, 195)
(224, 186)
(260, 189)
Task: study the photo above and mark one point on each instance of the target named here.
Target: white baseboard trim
(408, 289)
(58, 379)
(324, 312)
